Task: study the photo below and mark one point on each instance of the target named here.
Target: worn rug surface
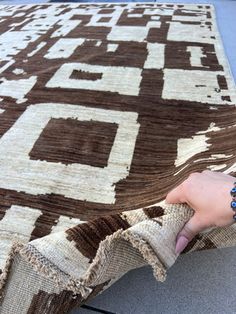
(104, 108)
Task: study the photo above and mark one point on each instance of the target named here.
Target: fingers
(216, 175)
(212, 174)
(189, 231)
(176, 195)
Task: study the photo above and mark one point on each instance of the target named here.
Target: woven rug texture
(104, 108)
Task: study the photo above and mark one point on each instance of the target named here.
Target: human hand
(208, 193)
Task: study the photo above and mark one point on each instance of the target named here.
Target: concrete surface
(200, 282)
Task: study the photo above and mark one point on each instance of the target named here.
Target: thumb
(189, 231)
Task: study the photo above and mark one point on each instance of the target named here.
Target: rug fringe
(147, 252)
(4, 275)
(85, 284)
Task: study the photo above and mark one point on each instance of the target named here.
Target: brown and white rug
(104, 108)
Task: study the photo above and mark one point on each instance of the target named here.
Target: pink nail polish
(181, 244)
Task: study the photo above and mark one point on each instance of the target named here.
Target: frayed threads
(78, 288)
(148, 254)
(16, 247)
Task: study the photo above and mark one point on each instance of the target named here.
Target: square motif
(72, 141)
(75, 180)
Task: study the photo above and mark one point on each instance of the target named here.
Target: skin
(208, 193)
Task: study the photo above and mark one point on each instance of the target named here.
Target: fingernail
(181, 244)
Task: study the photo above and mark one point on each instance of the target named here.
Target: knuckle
(206, 171)
(193, 175)
(184, 185)
(187, 184)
